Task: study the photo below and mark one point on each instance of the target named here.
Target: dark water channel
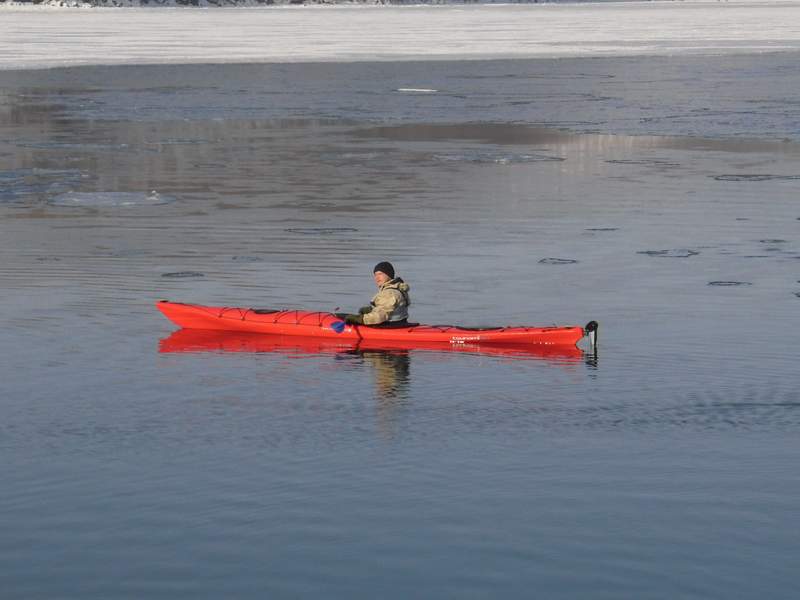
(520, 192)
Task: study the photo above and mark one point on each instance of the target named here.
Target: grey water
(658, 196)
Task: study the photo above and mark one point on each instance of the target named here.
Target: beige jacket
(390, 303)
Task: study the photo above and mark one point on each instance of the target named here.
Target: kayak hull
(327, 326)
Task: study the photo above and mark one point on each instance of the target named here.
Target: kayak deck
(325, 325)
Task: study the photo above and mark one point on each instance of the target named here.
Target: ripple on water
(110, 199)
(728, 283)
(558, 261)
(674, 253)
(756, 177)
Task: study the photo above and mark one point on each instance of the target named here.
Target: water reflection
(389, 364)
(566, 143)
(392, 371)
(201, 340)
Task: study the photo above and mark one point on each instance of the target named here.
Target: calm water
(530, 192)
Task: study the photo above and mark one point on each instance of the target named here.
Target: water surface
(663, 467)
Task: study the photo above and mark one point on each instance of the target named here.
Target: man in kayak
(389, 307)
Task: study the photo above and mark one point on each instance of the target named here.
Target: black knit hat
(384, 267)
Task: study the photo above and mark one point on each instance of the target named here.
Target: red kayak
(327, 326)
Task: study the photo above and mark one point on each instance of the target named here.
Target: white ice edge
(42, 37)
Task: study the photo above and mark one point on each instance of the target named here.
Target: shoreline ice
(299, 4)
(46, 37)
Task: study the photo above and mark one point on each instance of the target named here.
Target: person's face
(381, 278)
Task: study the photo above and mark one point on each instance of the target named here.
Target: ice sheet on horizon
(358, 33)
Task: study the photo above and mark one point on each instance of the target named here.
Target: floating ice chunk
(558, 261)
(759, 177)
(321, 230)
(417, 90)
(22, 184)
(646, 162)
(677, 253)
(183, 274)
(247, 259)
(111, 199)
(499, 158)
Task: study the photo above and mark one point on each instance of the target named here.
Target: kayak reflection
(390, 362)
(204, 340)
